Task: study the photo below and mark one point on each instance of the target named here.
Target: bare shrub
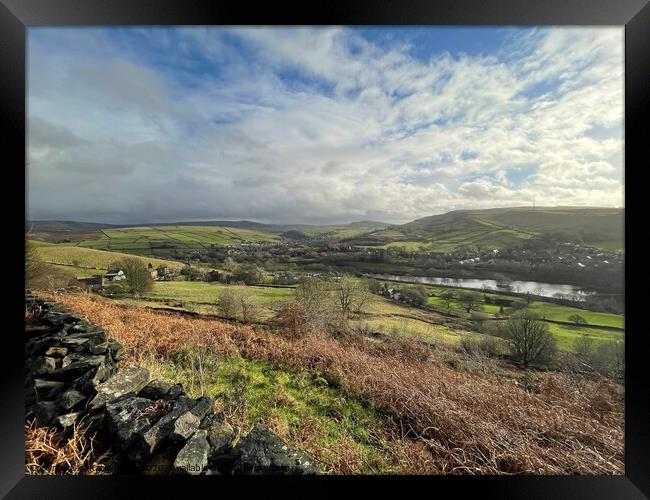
(323, 306)
(529, 339)
(237, 303)
(609, 359)
(44, 276)
(138, 278)
(227, 303)
(486, 345)
(250, 307)
(293, 320)
(351, 297)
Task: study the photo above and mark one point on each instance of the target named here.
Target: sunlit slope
(67, 255)
(158, 240)
(501, 227)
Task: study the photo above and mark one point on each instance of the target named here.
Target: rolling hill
(158, 239)
(90, 259)
(488, 228)
(501, 227)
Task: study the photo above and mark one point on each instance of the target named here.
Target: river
(533, 287)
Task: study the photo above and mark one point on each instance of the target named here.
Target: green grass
(90, 258)
(202, 292)
(413, 327)
(37, 243)
(561, 313)
(391, 317)
(80, 272)
(295, 404)
(158, 240)
(546, 310)
(567, 335)
(385, 315)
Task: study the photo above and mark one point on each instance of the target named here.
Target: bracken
(450, 421)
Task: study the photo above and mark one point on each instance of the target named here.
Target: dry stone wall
(73, 376)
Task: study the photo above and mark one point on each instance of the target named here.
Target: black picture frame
(17, 15)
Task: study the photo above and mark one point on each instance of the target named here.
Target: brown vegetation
(39, 274)
(447, 421)
(48, 451)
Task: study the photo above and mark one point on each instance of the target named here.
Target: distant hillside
(501, 227)
(72, 231)
(489, 228)
(63, 231)
(241, 224)
(99, 260)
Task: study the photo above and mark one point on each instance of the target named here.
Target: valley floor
(437, 324)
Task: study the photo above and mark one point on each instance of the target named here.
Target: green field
(385, 315)
(200, 292)
(546, 310)
(37, 243)
(567, 335)
(416, 328)
(161, 240)
(89, 258)
(558, 312)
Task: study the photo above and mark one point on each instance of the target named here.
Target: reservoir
(533, 287)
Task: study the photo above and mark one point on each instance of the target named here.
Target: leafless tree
(471, 300)
(138, 278)
(448, 298)
(236, 303)
(351, 296)
(249, 307)
(529, 338)
(227, 303)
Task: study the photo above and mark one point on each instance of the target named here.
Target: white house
(115, 275)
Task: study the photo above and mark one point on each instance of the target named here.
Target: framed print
(371, 241)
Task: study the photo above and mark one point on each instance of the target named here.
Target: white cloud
(356, 131)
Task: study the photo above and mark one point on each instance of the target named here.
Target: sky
(320, 125)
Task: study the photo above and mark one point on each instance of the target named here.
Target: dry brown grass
(450, 421)
(32, 314)
(48, 451)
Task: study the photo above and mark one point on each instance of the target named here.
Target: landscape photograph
(359, 250)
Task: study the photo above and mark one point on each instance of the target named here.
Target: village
(536, 259)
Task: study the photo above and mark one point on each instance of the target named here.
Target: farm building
(115, 275)
(163, 273)
(94, 283)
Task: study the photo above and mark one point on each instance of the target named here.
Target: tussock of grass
(462, 422)
(48, 451)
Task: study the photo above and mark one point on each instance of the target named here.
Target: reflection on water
(533, 287)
